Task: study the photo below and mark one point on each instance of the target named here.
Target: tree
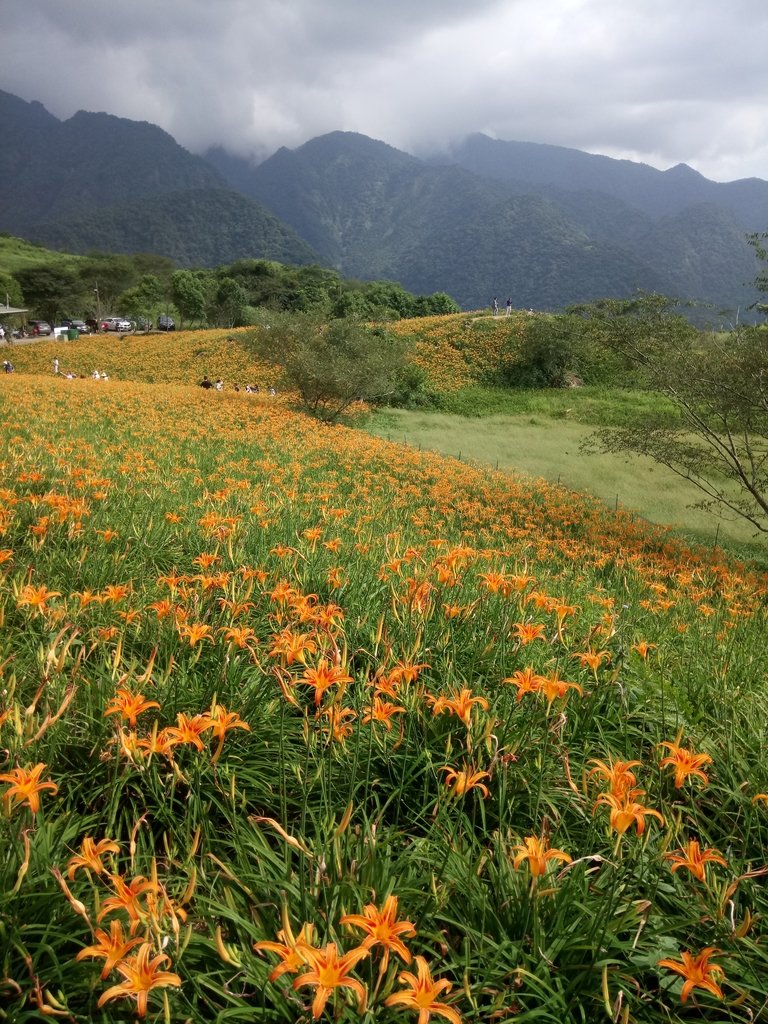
(144, 299)
(189, 295)
(228, 308)
(712, 430)
(332, 365)
(50, 291)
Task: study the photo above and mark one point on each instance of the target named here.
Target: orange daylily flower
(625, 810)
(339, 722)
(323, 676)
(553, 687)
(694, 859)
(293, 646)
(141, 977)
(112, 947)
(383, 929)
(465, 780)
(194, 632)
(526, 681)
(685, 762)
(126, 898)
(289, 949)
(697, 971)
(461, 705)
(129, 705)
(617, 774)
(381, 711)
(240, 636)
(90, 856)
(328, 971)
(187, 730)
(25, 787)
(527, 632)
(36, 598)
(423, 994)
(537, 852)
(220, 721)
(643, 648)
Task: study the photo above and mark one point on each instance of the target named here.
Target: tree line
(145, 286)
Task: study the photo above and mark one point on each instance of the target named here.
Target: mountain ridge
(547, 225)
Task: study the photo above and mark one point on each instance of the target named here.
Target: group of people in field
(58, 371)
(218, 385)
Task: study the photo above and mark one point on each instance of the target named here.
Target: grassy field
(17, 254)
(542, 434)
(297, 723)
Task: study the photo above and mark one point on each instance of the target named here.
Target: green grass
(17, 254)
(542, 438)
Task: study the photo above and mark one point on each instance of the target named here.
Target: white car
(116, 323)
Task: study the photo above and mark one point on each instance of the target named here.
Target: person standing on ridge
(495, 306)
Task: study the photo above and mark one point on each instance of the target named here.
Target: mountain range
(545, 225)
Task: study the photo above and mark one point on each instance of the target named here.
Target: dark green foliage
(719, 438)
(333, 365)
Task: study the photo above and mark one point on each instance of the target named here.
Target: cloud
(662, 81)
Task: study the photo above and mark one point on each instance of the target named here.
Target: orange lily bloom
(187, 730)
(461, 705)
(694, 859)
(537, 852)
(697, 971)
(323, 677)
(220, 722)
(617, 774)
(552, 687)
(141, 977)
(126, 898)
(112, 947)
(328, 972)
(685, 762)
(465, 780)
(129, 705)
(25, 787)
(383, 929)
(527, 632)
(423, 994)
(289, 949)
(526, 681)
(195, 632)
(36, 598)
(293, 646)
(90, 856)
(381, 711)
(625, 809)
(643, 648)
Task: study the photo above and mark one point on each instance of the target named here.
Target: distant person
(55, 364)
(2, 334)
(219, 385)
(205, 382)
(495, 306)
(8, 366)
(509, 307)
(96, 375)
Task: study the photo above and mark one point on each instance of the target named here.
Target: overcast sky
(660, 81)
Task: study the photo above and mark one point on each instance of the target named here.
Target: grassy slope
(548, 446)
(16, 254)
(147, 511)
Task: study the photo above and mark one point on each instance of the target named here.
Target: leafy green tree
(332, 365)
(712, 430)
(189, 295)
(144, 299)
(50, 291)
(229, 305)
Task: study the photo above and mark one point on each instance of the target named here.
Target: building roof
(11, 310)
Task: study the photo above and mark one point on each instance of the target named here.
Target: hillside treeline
(144, 286)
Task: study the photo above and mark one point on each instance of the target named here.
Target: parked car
(166, 323)
(76, 325)
(116, 323)
(71, 325)
(38, 327)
